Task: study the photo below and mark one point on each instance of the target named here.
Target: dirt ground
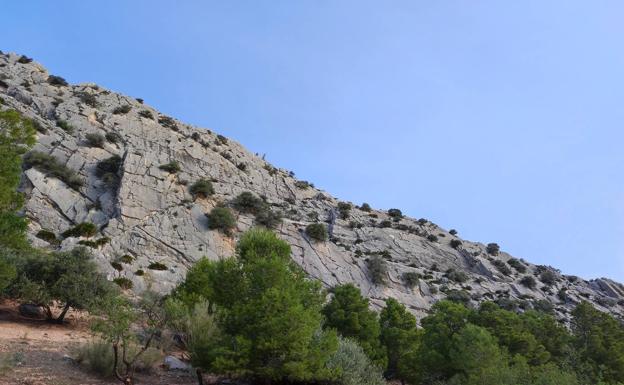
(43, 352)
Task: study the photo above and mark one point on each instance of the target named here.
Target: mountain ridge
(149, 214)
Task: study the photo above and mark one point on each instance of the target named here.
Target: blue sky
(500, 119)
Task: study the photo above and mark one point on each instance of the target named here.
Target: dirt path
(43, 354)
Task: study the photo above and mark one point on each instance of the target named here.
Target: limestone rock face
(157, 229)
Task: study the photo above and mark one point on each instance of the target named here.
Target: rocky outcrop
(157, 229)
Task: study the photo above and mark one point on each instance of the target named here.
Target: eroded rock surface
(149, 214)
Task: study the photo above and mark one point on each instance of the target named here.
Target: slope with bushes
(148, 186)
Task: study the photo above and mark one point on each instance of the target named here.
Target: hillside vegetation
(259, 311)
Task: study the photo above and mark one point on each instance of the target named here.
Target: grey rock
(30, 311)
(150, 214)
(174, 363)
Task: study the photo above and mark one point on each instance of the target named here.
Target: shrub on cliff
(202, 188)
(171, 167)
(50, 166)
(317, 231)
(56, 80)
(492, 248)
(95, 140)
(344, 209)
(221, 218)
(528, 281)
(378, 269)
(84, 229)
(247, 202)
(395, 213)
(365, 207)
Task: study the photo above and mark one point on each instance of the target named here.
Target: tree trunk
(61, 316)
(200, 379)
(48, 313)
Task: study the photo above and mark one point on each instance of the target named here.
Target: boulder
(174, 363)
(30, 311)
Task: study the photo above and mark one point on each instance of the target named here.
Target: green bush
(70, 279)
(317, 231)
(122, 109)
(131, 329)
(501, 266)
(95, 140)
(116, 265)
(548, 277)
(88, 99)
(385, 224)
(221, 218)
(123, 283)
(456, 276)
(410, 278)
(492, 248)
(246, 202)
(168, 122)
(97, 356)
(378, 269)
(459, 296)
(303, 184)
(348, 312)
(365, 207)
(39, 127)
(517, 264)
(344, 209)
(84, 229)
(56, 80)
(354, 366)
(16, 136)
(50, 166)
(126, 258)
(102, 241)
(108, 166)
(221, 140)
(171, 167)
(90, 244)
(269, 315)
(108, 170)
(432, 238)
(528, 281)
(65, 126)
(400, 338)
(157, 266)
(48, 236)
(202, 188)
(395, 213)
(269, 218)
(24, 59)
(146, 114)
(8, 272)
(113, 137)
(195, 325)
(453, 232)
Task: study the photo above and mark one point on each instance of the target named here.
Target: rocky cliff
(150, 228)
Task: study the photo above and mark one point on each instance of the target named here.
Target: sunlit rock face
(150, 215)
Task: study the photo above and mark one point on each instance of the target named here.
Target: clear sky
(502, 119)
